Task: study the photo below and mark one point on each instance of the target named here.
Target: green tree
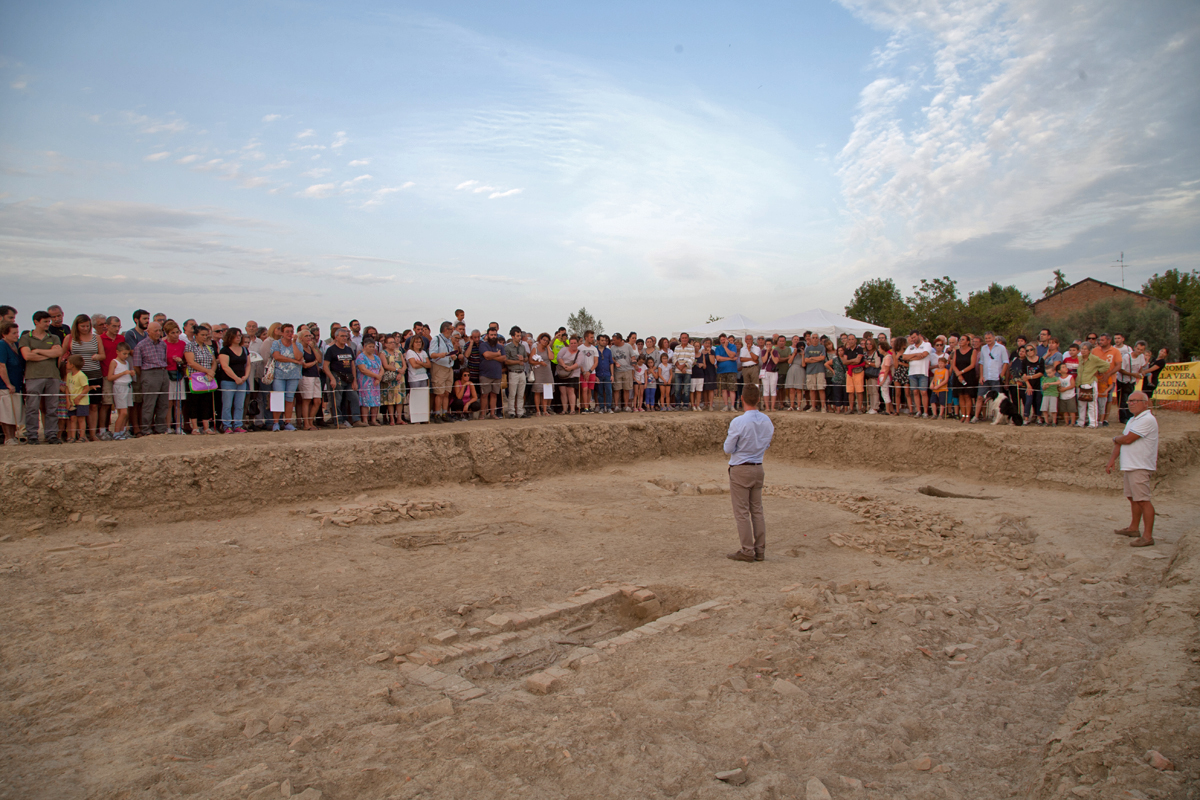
(1001, 309)
(935, 306)
(1183, 289)
(1058, 284)
(878, 301)
(582, 321)
(713, 318)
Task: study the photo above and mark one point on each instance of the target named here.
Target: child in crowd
(1072, 359)
(651, 383)
(120, 374)
(940, 391)
(664, 382)
(639, 383)
(1066, 390)
(1050, 385)
(78, 402)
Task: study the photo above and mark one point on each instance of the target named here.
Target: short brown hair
(750, 395)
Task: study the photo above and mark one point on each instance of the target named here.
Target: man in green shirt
(41, 350)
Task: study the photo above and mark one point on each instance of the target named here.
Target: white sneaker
(872, 411)
(628, 410)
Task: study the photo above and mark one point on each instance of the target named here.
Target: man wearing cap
(1137, 448)
(749, 437)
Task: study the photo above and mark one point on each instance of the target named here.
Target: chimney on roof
(1172, 300)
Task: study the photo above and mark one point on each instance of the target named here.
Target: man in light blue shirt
(993, 360)
(747, 442)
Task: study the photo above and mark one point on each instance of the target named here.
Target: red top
(174, 351)
(110, 349)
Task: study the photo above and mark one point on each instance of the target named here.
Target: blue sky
(393, 161)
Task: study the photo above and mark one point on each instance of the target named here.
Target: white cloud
(255, 182)
(481, 189)
(277, 165)
(466, 184)
(148, 125)
(320, 190)
(360, 162)
(270, 117)
(1019, 124)
(305, 134)
(308, 147)
(379, 194)
(509, 193)
(339, 139)
(317, 172)
(158, 156)
(189, 159)
(356, 181)
(20, 84)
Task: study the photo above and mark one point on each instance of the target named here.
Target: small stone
(285, 788)
(818, 637)
(733, 776)
(941, 768)
(1158, 760)
(267, 791)
(787, 688)
(1081, 791)
(75, 516)
(806, 625)
(815, 790)
(738, 684)
(756, 663)
(642, 595)
(445, 637)
(308, 794)
(253, 728)
(922, 764)
(541, 683)
(850, 783)
(300, 745)
(277, 723)
(499, 621)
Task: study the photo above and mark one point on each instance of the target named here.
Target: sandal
(196, 432)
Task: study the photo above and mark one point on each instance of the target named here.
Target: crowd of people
(97, 380)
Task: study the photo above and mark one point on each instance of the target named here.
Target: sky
(654, 163)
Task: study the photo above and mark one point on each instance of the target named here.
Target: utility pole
(1120, 263)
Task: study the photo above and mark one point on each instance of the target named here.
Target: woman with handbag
(310, 379)
(233, 378)
(871, 362)
(201, 361)
(900, 376)
(176, 376)
(392, 385)
(370, 373)
(1091, 366)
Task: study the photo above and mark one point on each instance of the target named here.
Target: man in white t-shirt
(589, 354)
(749, 356)
(920, 358)
(1137, 448)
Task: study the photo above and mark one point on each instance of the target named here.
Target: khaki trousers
(745, 490)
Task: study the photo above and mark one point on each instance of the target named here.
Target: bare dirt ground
(482, 631)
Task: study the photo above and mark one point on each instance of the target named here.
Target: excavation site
(544, 609)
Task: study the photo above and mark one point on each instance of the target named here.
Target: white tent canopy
(820, 322)
(734, 325)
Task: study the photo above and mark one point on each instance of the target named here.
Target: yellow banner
(1179, 382)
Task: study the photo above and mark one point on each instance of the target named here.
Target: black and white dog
(1000, 406)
